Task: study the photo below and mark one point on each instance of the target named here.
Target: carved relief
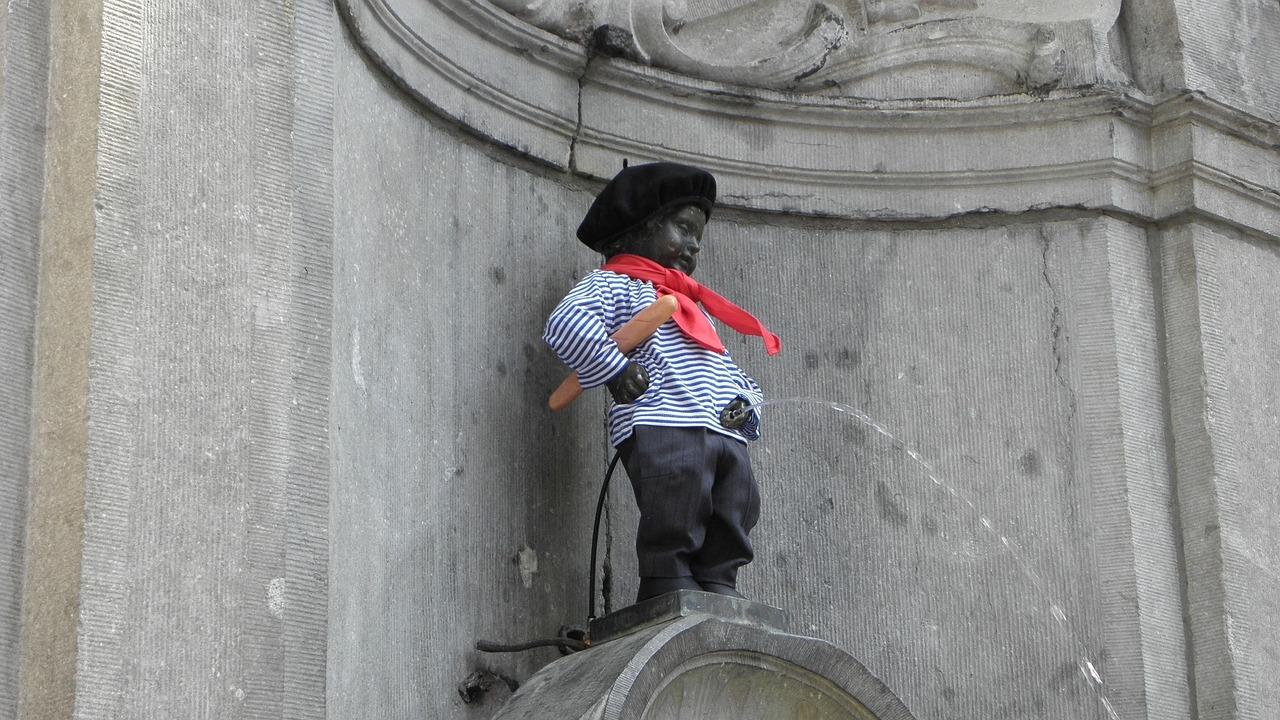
(871, 48)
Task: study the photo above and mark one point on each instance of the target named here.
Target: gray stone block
(206, 496)
(24, 72)
(1221, 301)
(53, 542)
(462, 506)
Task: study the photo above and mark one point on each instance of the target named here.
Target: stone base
(698, 655)
(684, 603)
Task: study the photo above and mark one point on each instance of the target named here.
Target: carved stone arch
(1067, 139)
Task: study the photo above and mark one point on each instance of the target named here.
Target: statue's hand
(735, 414)
(629, 385)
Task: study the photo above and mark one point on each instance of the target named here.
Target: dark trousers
(698, 501)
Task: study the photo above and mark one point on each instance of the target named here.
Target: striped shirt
(688, 385)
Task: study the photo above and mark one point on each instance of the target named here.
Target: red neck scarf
(688, 293)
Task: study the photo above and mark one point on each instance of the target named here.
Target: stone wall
(963, 338)
(460, 510)
(992, 293)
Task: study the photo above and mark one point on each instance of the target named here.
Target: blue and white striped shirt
(688, 384)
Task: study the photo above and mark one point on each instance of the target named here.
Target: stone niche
(882, 49)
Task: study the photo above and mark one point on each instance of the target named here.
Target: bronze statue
(681, 415)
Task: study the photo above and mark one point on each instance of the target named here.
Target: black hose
(595, 537)
(560, 642)
(567, 642)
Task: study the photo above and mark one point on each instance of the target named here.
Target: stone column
(1216, 248)
(24, 71)
(175, 554)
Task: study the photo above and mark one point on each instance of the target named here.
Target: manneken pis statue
(681, 415)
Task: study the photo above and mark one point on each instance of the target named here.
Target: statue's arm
(577, 332)
(629, 385)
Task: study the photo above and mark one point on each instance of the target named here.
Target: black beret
(640, 193)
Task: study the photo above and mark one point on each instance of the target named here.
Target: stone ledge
(686, 603)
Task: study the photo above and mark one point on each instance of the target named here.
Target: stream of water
(1088, 669)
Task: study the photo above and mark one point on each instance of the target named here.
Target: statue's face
(675, 241)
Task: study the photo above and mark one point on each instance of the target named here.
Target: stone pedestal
(697, 655)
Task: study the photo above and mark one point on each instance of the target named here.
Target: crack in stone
(1056, 331)
(777, 195)
(592, 54)
(817, 66)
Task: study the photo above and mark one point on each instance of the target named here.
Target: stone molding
(1103, 149)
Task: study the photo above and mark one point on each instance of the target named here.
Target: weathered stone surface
(995, 361)
(206, 495)
(462, 507)
(54, 531)
(1221, 310)
(24, 73)
(1019, 356)
(1232, 52)
(704, 666)
(1227, 52)
(990, 344)
(884, 49)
